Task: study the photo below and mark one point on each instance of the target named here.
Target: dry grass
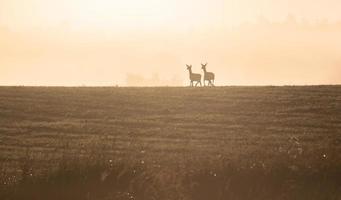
(170, 143)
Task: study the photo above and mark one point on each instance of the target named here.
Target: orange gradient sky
(104, 42)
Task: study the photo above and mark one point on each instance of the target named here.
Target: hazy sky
(99, 42)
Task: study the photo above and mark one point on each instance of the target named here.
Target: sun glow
(120, 13)
(112, 14)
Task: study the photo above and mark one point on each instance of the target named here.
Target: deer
(208, 76)
(193, 77)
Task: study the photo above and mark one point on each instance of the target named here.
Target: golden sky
(105, 42)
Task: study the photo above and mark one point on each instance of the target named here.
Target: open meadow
(170, 143)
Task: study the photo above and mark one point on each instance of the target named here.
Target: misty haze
(74, 43)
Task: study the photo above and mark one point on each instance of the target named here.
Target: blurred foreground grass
(170, 143)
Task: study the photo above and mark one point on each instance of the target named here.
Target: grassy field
(170, 143)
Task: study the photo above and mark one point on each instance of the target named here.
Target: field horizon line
(113, 86)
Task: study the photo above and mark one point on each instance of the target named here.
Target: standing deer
(193, 77)
(208, 76)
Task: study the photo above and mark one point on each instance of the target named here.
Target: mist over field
(112, 42)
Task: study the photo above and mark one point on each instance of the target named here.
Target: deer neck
(205, 70)
(190, 72)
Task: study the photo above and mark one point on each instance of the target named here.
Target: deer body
(193, 77)
(208, 76)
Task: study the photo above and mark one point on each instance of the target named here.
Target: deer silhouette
(193, 77)
(208, 76)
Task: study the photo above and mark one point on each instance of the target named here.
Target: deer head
(189, 66)
(203, 66)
